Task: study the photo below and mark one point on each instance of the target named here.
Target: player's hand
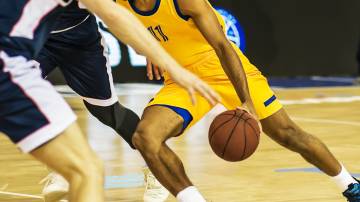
(193, 85)
(153, 70)
(249, 107)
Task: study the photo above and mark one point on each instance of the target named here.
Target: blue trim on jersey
(185, 114)
(178, 11)
(145, 13)
(270, 100)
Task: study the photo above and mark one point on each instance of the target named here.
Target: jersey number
(158, 33)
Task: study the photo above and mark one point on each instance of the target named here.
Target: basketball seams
(220, 125)
(245, 139)
(257, 134)
(231, 134)
(225, 135)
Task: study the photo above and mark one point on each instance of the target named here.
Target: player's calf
(284, 131)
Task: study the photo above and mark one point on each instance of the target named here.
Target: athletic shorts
(31, 111)
(81, 55)
(210, 70)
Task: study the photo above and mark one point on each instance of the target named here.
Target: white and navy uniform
(77, 48)
(31, 111)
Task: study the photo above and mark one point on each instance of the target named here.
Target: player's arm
(206, 21)
(130, 30)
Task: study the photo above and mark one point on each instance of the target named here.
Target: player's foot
(154, 191)
(55, 189)
(353, 192)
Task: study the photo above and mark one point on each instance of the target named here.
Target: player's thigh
(264, 99)
(46, 60)
(31, 111)
(177, 100)
(83, 59)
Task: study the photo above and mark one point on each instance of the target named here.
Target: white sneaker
(154, 191)
(55, 189)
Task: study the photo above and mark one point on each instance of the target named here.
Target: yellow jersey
(181, 38)
(178, 33)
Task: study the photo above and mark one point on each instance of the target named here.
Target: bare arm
(127, 28)
(206, 21)
(130, 30)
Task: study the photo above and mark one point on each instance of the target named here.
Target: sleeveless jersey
(26, 24)
(176, 32)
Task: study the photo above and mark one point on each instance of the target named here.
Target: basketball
(234, 135)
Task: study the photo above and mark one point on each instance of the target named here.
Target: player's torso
(177, 33)
(25, 25)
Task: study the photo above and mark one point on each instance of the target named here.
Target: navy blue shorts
(31, 111)
(82, 57)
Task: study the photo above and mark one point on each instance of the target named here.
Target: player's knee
(144, 139)
(86, 169)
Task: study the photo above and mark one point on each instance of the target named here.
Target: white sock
(190, 194)
(344, 179)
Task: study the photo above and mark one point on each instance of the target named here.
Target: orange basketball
(234, 135)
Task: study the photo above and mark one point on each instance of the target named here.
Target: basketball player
(34, 116)
(192, 32)
(77, 48)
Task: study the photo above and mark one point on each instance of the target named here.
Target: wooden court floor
(272, 174)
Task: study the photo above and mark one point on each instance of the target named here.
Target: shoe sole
(55, 196)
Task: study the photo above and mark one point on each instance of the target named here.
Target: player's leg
(85, 65)
(157, 125)
(33, 115)
(81, 55)
(167, 116)
(76, 162)
(285, 132)
(278, 126)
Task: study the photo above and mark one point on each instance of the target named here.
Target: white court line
(326, 121)
(22, 195)
(321, 100)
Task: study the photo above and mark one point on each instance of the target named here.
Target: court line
(326, 121)
(111, 182)
(306, 170)
(321, 100)
(22, 195)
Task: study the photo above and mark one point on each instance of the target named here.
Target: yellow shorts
(211, 72)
